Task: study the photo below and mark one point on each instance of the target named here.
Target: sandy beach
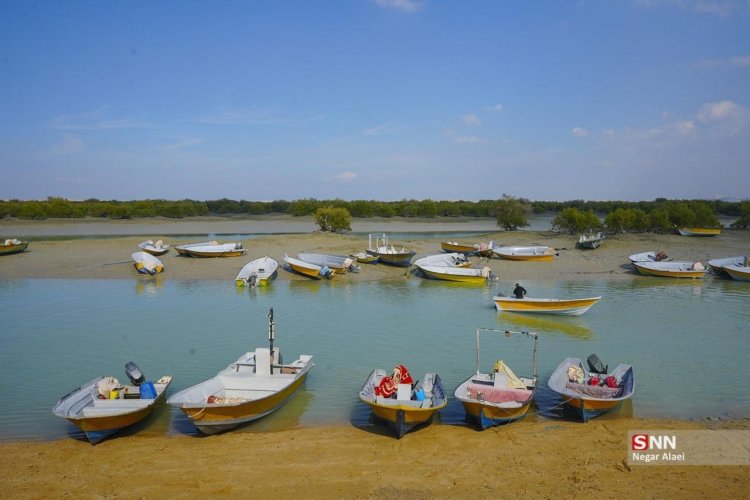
(531, 458)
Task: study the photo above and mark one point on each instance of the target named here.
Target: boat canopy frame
(509, 333)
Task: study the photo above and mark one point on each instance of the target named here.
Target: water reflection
(571, 326)
(149, 285)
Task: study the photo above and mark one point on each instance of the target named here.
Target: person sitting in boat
(519, 291)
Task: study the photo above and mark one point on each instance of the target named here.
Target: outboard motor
(134, 373)
(596, 365)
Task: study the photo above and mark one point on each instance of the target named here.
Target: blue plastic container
(148, 391)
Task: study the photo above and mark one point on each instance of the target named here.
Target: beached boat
(364, 258)
(699, 231)
(671, 269)
(498, 397)
(145, 263)
(12, 246)
(568, 307)
(534, 253)
(154, 248)
(306, 269)
(252, 387)
(103, 406)
(593, 392)
(444, 259)
(650, 256)
(740, 273)
(481, 249)
(460, 274)
(401, 402)
(717, 265)
(337, 263)
(389, 254)
(211, 249)
(257, 272)
(590, 241)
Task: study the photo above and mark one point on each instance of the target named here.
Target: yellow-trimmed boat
(459, 274)
(158, 248)
(409, 406)
(12, 246)
(145, 263)
(103, 406)
(313, 271)
(255, 385)
(211, 249)
(534, 253)
(481, 249)
(699, 231)
(498, 397)
(740, 273)
(671, 269)
(257, 272)
(568, 307)
(572, 382)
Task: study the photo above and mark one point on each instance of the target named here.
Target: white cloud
(93, 120)
(471, 119)
(740, 61)
(685, 127)
(184, 144)
(496, 108)
(376, 130)
(69, 144)
(468, 139)
(345, 176)
(580, 132)
(403, 5)
(717, 111)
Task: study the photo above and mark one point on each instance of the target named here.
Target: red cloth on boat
(401, 375)
(386, 387)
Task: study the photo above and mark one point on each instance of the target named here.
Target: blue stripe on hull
(486, 422)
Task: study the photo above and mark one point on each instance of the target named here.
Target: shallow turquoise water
(687, 341)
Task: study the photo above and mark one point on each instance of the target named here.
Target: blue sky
(375, 99)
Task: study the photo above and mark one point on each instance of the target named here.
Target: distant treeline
(55, 207)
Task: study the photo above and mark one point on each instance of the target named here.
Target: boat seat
(121, 403)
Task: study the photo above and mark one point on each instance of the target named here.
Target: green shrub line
(511, 213)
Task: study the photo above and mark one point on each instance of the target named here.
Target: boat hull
(573, 307)
(402, 419)
(402, 259)
(155, 253)
(585, 410)
(459, 278)
(487, 415)
(666, 273)
(214, 419)
(739, 273)
(305, 271)
(11, 249)
(531, 254)
(699, 231)
(209, 254)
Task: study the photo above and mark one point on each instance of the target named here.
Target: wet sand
(539, 458)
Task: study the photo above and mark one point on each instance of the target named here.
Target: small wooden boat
(671, 269)
(306, 269)
(389, 254)
(534, 253)
(400, 402)
(364, 258)
(255, 385)
(12, 246)
(590, 241)
(337, 263)
(257, 272)
(445, 260)
(699, 231)
(568, 307)
(481, 249)
(498, 397)
(145, 263)
(103, 406)
(589, 398)
(211, 249)
(740, 273)
(717, 265)
(460, 274)
(650, 256)
(158, 248)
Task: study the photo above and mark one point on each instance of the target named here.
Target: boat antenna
(271, 335)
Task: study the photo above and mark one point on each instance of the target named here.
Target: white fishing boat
(388, 253)
(11, 246)
(154, 248)
(740, 273)
(103, 405)
(306, 269)
(211, 249)
(257, 272)
(145, 263)
(454, 259)
(338, 263)
(481, 249)
(590, 241)
(531, 253)
(650, 256)
(699, 231)
(566, 307)
(255, 385)
(459, 274)
(717, 265)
